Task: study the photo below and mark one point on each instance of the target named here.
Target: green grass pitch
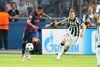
(14, 60)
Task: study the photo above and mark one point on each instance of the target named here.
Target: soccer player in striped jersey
(98, 46)
(31, 29)
(73, 32)
(98, 32)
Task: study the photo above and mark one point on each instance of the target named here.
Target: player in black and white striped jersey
(98, 32)
(73, 32)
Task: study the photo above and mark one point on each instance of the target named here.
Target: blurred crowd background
(54, 8)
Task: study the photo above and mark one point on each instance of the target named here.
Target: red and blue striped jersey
(34, 20)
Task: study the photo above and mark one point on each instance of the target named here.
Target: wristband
(32, 25)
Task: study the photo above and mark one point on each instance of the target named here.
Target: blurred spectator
(85, 7)
(97, 14)
(29, 6)
(98, 7)
(76, 6)
(62, 7)
(35, 4)
(4, 27)
(8, 5)
(14, 13)
(17, 2)
(22, 9)
(89, 17)
(94, 5)
(46, 5)
(58, 5)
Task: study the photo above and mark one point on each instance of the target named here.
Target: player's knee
(24, 42)
(35, 42)
(64, 41)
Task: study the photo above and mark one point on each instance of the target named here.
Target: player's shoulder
(78, 19)
(33, 12)
(42, 13)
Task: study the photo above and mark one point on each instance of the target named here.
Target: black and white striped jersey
(74, 26)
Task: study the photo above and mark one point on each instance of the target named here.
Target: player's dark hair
(14, 3)
(40, 7)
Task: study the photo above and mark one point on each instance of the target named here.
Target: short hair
(90, 7)
(72, 10)
(13, 3)
(40, 7)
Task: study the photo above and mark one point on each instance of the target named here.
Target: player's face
(72, 15)
(39, 11)
(13, 6)
(90, 10)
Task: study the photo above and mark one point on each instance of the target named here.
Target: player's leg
(98, 47)
(35, 40)
(26, 36)
(5, 35)
(71, 40)
(62, 47)
(0, 39)
(98, 56)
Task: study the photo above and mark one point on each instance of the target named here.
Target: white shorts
(71, 38)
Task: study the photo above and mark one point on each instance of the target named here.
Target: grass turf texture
(14, 60)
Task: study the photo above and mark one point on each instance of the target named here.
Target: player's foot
(29, 57)
(98, 65)
(24, 57)
(58, 57)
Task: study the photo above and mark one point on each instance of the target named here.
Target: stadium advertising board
(51, 39)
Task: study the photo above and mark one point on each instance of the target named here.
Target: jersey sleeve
(31, 16)
(79, 20)
(17, 12)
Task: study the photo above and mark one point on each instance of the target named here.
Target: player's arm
(55, 23)
(61, 22)
(83, 29)
(48, 25)
(29, 21)
(47, 16)
(52, 23)
(14, 17)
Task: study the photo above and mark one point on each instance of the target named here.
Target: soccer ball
(29, 47)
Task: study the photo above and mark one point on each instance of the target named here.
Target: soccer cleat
(58, 57)
(24, 57)
(29, 57)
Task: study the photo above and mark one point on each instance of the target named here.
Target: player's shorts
(71, 38)
(29, 35)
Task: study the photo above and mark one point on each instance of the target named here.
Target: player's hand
(55, 24)
(35, 27)
(88, 20)
(47, 25)
(81, 35)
